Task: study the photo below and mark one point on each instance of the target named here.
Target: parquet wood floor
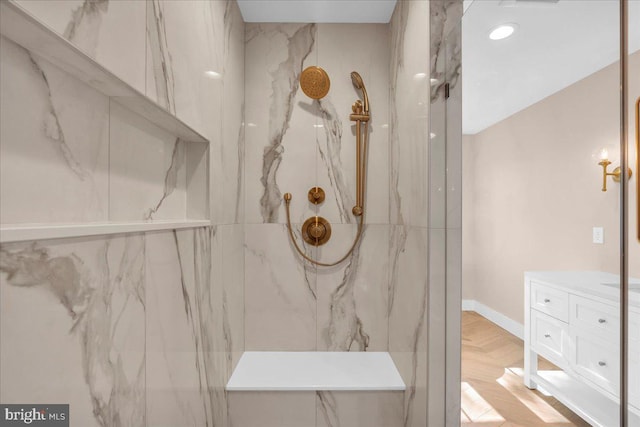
(493, 394)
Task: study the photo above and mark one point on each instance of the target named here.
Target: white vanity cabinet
(572, 319)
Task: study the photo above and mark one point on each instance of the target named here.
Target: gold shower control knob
(316, 231)
(316, 195)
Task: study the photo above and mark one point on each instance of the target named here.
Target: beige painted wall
(531, 191)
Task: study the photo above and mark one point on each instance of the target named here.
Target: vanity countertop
(599, 283)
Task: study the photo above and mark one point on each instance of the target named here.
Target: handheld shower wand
(360, 115)
(359, 84)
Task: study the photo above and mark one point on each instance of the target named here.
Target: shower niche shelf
(29, 232)
(149, 158)
(19, 26)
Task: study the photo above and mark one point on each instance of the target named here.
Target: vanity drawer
(596, 360)
(551, 301)
(595, 317)
(550, 338)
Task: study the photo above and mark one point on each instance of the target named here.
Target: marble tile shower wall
(409, 159)
(294, 143)
(136, 329)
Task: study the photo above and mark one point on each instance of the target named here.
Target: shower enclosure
(144, 154)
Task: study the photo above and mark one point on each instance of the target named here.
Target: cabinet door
(550, 338)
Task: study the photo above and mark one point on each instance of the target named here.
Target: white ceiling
(340, 11)
(555, 45)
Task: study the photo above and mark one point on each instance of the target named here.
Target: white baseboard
(499, 319)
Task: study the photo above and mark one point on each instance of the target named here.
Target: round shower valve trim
(316, 231)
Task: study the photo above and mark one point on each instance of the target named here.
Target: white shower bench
(316, 389)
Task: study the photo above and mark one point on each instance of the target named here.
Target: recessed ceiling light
(502, 31)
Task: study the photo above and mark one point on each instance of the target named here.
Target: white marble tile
(111, 32)
(232, 239)
(272, 409)
(446, 170)
(147, 170)
(353, 296)
(184, 370)
(454, 137)
(54, 143)
(367, 53)
(231, 162)
(445, 45)
(280, 292)
(408, 288)
(218, 338)
(409, 127)
(73, 312)
(185, 48)
(408, 316)
(280, 134)
(186, 43)
(413, 367)
(359, 409)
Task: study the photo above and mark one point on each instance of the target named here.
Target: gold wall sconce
(616, 172)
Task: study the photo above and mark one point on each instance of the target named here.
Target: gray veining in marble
(240, 177)
(397, 246)
(346, 331)
(171, 176)
(160, 55)
(101, 302)
(52, 127)
(445, 14)
(330, 155)
(84, 26)
(398, 25)
(187, 329)
(284, 88)
(327, 406)
(408, 280)
(410, 395)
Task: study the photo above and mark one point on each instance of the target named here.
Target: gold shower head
(315, 82)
